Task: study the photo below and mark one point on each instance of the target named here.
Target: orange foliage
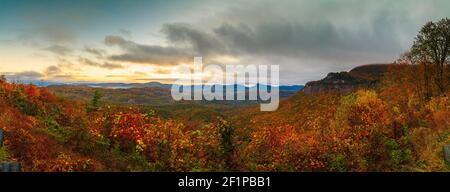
(389, 128)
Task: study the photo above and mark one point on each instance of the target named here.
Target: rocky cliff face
(343, 82)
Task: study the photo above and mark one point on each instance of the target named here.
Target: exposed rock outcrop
(343, 82)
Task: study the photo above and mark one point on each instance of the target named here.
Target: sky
(144, 40)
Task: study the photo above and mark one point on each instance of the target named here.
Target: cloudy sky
(140, 41)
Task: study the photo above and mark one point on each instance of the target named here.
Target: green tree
(94, 105)
(226, 132)
(431, 48)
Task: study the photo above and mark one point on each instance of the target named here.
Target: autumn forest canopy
(393, 117)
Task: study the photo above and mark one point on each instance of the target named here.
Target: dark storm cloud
(306, 38)
(184, 40)
(311, 38)
(283, 39)
(200, 42)
(297, 41)
(149, 54)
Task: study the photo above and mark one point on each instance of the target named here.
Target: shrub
(3, 154)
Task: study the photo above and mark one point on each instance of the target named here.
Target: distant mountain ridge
(168, 86)
(153, 93)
